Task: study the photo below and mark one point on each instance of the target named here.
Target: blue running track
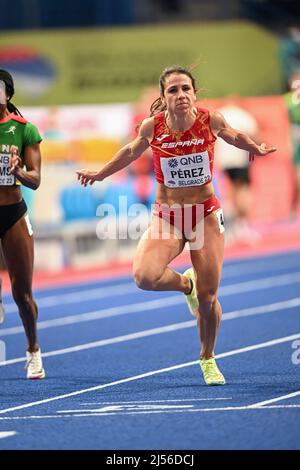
(122, 366)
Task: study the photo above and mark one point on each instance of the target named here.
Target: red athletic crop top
(186, 158)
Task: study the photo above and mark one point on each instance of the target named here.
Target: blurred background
(86, 73)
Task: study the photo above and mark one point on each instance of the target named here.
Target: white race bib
(6, 179)
(186, 170)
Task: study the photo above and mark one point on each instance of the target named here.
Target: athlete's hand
(15, 160)
(87, 177)
(261, 151)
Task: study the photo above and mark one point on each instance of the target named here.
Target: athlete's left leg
(207, 262)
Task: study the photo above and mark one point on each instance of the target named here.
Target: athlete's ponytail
(157, 107)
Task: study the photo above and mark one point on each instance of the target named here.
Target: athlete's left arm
(222, 129)
(32, 161)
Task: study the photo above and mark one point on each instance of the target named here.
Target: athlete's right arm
(123, 157)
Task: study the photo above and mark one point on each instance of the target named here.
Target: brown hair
(157, 105)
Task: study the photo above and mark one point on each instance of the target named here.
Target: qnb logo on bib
(186, 170)
(172, 162)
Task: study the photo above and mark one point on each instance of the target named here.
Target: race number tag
(6, 178)
(220, 218)
(186, 170)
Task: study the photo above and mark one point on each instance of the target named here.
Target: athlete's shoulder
(202, 110)
(146, 128)
(159, 116)
(147, 124)
(204, 115)
(19, 119)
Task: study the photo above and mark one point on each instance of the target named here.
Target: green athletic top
(294, 114)
(14, 130)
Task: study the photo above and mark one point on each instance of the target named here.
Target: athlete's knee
(146, 279)
(23, 299)
(207, 299)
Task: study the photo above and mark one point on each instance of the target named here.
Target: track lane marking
(129, 288)
(260, 310)
(151, 373)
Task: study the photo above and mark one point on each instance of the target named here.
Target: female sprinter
(19, 148)
(182, 137)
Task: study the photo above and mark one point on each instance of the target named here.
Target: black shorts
(10, 214)
(238, 175)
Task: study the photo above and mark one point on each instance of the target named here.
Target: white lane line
(260, 284)
(7, 434)
(153, 401)
(274, 400)
(253, 347)
(128, 288)
(138, 307)
(246, 267)
(105, 342)
(100, 415)
(80, 296)
(160, 303)
(259, 266)
(260, 310)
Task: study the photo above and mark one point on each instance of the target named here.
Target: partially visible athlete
(182, 137)
(20, 163)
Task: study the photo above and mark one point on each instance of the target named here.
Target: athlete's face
(3, 98)
(179, 95)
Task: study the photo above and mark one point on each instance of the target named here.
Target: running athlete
(182, 137)
(19, 149)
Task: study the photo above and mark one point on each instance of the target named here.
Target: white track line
(138, 307)
(274, 400)
(262, 309)
(3, 435)
(259, 266)
(129, 288)
(157, 304)
(80, 296)
(100, 415)
(105, 342)
(151, 373)
(153, 401)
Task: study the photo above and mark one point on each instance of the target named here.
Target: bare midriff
(181, 196)
(10, 195)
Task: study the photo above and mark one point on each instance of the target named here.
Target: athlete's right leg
(17, 245)
(159, 245)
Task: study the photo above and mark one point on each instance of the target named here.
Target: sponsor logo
(162, 137)
(11, 130)
(173, 163)
(171, 182)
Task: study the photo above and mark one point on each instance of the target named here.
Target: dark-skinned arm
(32, 161)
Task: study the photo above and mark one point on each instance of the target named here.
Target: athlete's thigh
(17, 245)
(159, 245)
(208, 260)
